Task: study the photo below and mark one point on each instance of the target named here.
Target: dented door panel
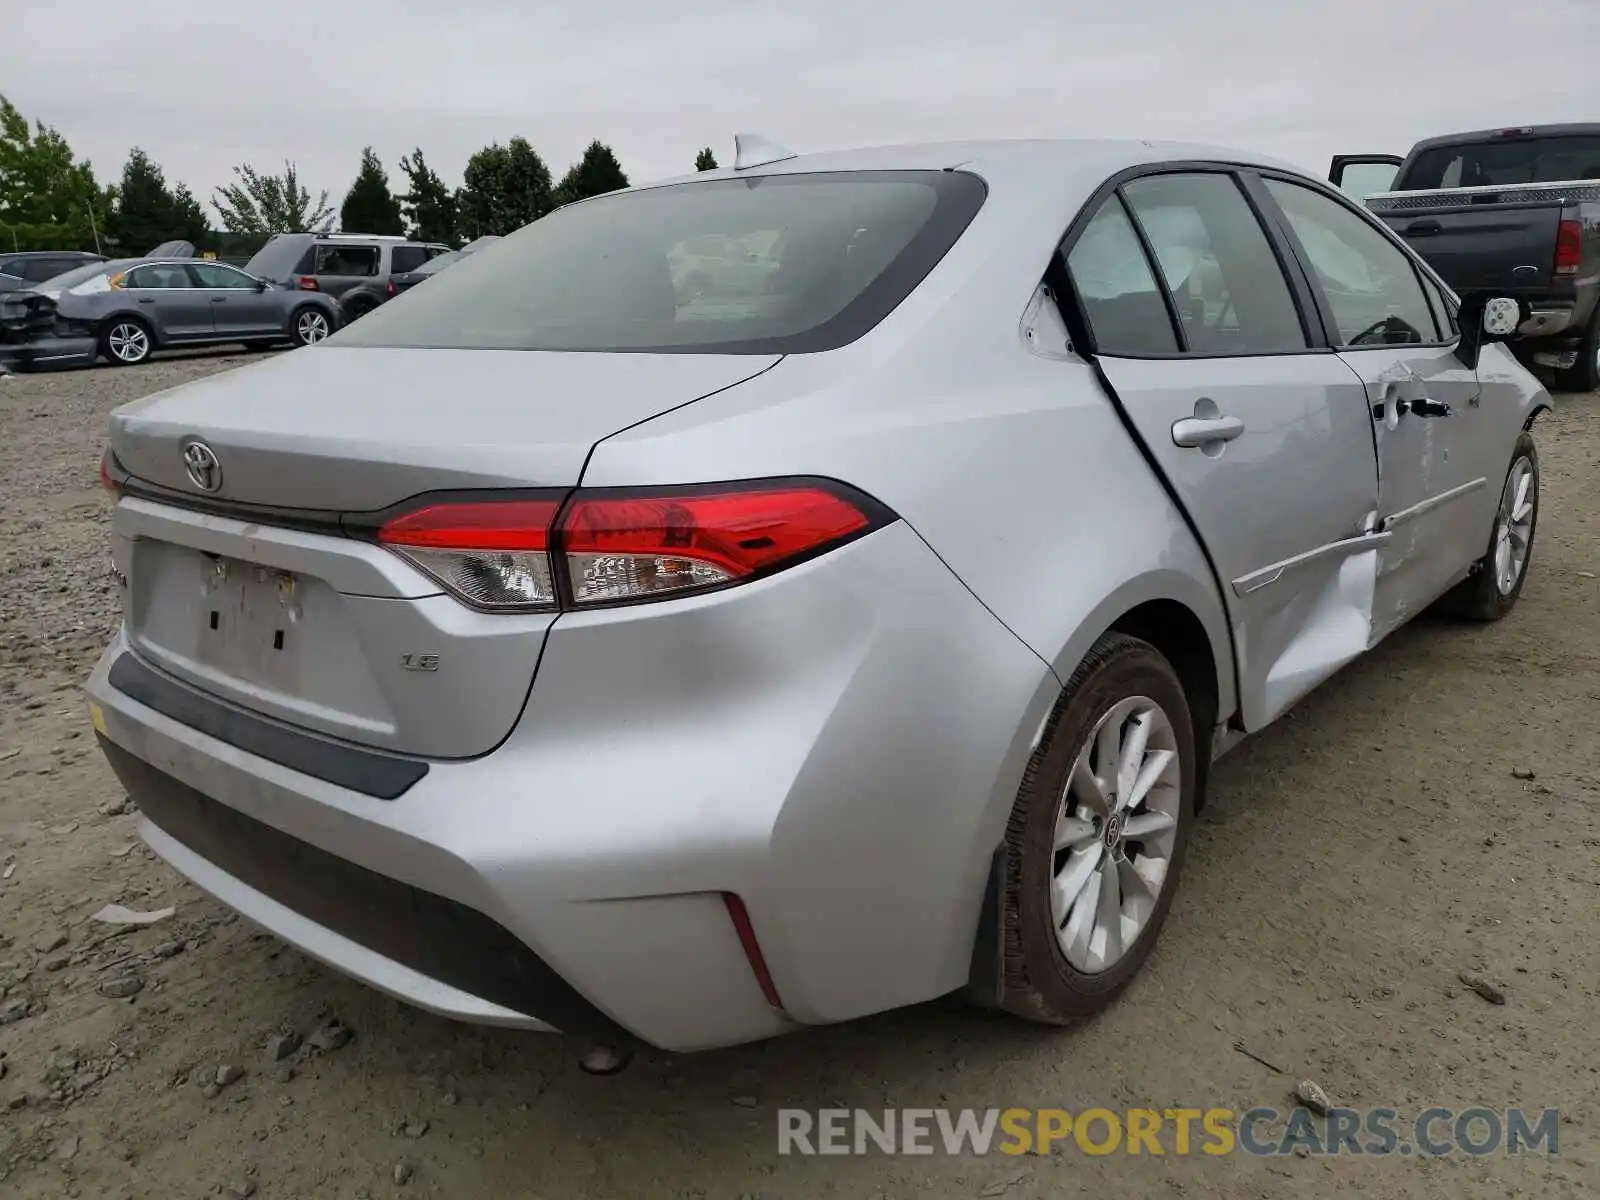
(1287, 508)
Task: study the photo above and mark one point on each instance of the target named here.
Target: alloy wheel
(129, 342)
(1514, 525)
(1116, 830)
(311, 328)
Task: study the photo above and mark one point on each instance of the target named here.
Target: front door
(1265, 440)
(1395, 330)
(1363, 175)
(238, 307)
(166, 297)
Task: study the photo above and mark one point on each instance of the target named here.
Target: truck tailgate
(1507, 248)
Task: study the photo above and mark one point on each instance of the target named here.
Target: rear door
(1262, 433)
(1363, 175)
(165, 296)
(340, 266)
(1424, 402)
(239, 308)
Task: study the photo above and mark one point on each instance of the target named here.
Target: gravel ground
(1434, 810)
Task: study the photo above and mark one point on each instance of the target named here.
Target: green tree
(705, 160)
(502, 189)
(258, 203)
(149, 213)
(188, 218)
(595, 174)
(48, 199)
(429, 206)
(370, 207)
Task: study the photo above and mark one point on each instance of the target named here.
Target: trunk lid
(356, 428)
(336, 635)
(25, 315)
(1479, 238)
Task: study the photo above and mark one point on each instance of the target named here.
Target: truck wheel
(1097, 835)
(1584, 375)
(1491, 591)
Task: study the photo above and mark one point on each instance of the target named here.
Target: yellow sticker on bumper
(98, 718)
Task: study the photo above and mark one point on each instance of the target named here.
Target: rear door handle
(147, 299)
(1424, 228)
(218, 299)
(1424, 407)
(1204, 431)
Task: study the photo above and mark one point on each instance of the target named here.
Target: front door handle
(218, 299)
(147, 299)
(1205, 431)
(1430, 408)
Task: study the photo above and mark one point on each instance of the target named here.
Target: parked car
(337, 264)
(19, 271)
(410, 279)
(126, 309)
(549, 656)
(1512, 210)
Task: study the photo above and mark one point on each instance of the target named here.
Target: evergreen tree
(503, 188)
(429, 206)
(370, 207)
(596, 173)
(705, 160)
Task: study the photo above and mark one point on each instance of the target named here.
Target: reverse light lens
(630, 548)
(493, 554)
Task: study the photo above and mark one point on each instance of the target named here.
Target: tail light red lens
(492, 554)
(626, 548)
(108, 478)
(308, 283)
(622, 547)
(1569, 247)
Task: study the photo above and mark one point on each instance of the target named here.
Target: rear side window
(1117, 288)
(158, 276)
(1218, 266)
(37, 270)
(1371, 286)
(761, 265)
(406, 258)
(336, 258)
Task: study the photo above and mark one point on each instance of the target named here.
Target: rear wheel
(126, 341)
(310, 325)
(1584, 375)
(1491, 591)
(1097, 836)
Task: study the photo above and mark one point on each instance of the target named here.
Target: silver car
(550, 652)
(126, 309)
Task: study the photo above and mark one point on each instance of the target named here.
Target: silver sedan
(554, 650)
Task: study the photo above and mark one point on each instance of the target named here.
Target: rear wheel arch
(1181, 638)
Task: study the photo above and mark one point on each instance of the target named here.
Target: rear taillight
(623, 546)
(630, 547)
(108, 475)
(308, 283)
(493, 554)
(390, 288)
(1569, 247)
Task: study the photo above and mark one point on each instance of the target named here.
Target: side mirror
(1486, 318)
(261, 285)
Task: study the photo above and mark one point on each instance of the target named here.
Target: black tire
(1480, 596)
(1584, 375)
(1040, 984)
(357, 309)
(300, 320)
(120, 341)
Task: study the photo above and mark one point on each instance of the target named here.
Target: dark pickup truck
(1512, 211)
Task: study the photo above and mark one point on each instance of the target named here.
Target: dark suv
(354, 268)
(24, 270)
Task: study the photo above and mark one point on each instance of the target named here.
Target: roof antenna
(753, 150)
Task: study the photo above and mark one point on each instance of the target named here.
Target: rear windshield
(77, 275)
(767, 265)
(1505, 161)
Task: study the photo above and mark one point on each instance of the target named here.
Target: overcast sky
(201, 87)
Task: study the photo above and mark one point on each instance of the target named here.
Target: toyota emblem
(201, 466)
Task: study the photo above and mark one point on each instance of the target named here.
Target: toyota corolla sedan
(555, 651)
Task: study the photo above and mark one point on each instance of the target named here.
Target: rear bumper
(838, 746)
(50, 352)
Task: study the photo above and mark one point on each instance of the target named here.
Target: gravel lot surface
(1432, 811)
